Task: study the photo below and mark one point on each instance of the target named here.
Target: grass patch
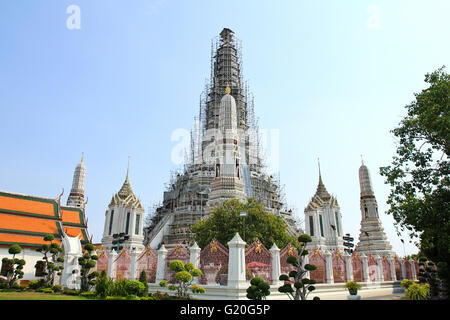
(30, 295)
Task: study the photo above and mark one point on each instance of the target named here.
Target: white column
(392, 266)
(365, 267)
(161, 265)
(329, 267)
(105, 230)
(194, 256)
(380, 277)
(348, 266)
(112, 264)
(133, 254)
(402, 264)
(413, 269)
(132, 223)
(276, 266)
(236, 263)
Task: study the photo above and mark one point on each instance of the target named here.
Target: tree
(225, 220)
(184, 274)
(103, 285)
(144, 280)
(429, 274)
(258, 289)
(419, 173)
(87, 263)
(52, 262)
(302, 285)
(13, 266)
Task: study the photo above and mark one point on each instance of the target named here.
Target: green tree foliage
(14, 266)
(52, 262)
(144, 280)
(103, 285)
(184, 274)
(224, 221)
(258, 289)
(419, 173)
(87, 263)
(300, 286)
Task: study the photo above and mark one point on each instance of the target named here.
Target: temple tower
(323, 219)
(76, 196)
(125, 216)
(372, 238)
(228, 182)
(191, 189)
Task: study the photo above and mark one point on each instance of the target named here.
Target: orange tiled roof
(26, 219)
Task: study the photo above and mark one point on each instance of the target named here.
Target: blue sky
(333, 78)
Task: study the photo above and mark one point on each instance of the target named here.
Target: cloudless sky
(332, 76)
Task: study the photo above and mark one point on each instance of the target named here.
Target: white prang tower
(76, 196)
(124, 216)
(228, 182)
(372, 238)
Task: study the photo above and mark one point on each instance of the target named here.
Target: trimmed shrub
(177, 266)
(57, 288)
(417, 291)
(258, 289)
(45, 290)
(135, 287)
(103, 285)
(88, 294)
(163, 283)
(71, 292)
(406, 283)
(118, 288)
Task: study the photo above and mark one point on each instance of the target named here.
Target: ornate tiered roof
(126, 196)
(321, 198)
(27, 219)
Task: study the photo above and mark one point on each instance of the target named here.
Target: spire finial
(318, 162)
(320, 174)
(128, 169)
(362, 160)
(227, 89)
(82, 157)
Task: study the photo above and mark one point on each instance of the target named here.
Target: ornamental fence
(215, 261)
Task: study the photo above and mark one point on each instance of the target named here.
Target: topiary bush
(14, 266)
(135, 287)
(302, 286)
(184, 275)
(258, 289)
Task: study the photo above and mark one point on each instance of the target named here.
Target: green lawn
(30, 295)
